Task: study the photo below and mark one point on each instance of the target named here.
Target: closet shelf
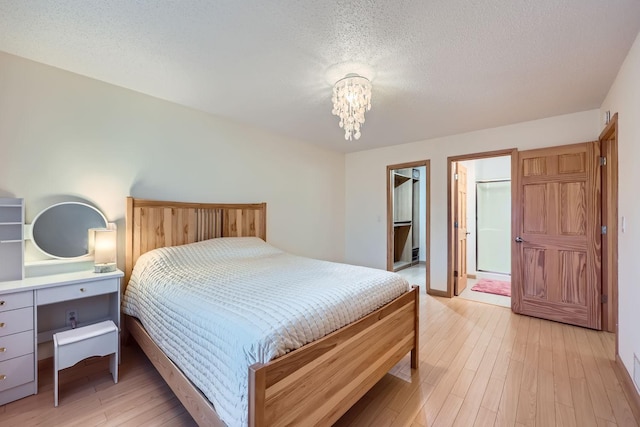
(402, 224)
(399, 178)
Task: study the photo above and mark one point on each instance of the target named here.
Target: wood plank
(599, 399)
(526, 412)
(449, 411)
(508, 406)
(565, 416)
(582, 403)
(561, 383)
(485, 418)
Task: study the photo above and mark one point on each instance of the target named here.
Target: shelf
(11, 239)
(402, 224)
(399, 178)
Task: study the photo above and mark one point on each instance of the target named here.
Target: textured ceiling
(439, 67)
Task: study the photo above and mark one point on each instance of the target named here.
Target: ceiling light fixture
(351, 98)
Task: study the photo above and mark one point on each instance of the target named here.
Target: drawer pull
(3, 349)
(1, 324)
(82, 289)
(1, 303)
(3, 377)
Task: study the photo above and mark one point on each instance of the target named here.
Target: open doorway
(408, 221)
(480, 224)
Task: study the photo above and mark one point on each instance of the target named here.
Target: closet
(406, 212)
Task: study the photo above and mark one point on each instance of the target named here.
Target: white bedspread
(216, 307)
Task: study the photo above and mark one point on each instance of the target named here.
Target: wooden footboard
(318, 383)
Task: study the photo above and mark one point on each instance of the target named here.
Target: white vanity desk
(19, 334)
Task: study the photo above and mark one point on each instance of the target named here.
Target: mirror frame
(35, 220)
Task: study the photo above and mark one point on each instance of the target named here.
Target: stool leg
(55, 379)
(55, 387)
(114, 366)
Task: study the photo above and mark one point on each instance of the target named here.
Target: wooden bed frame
(313, 385)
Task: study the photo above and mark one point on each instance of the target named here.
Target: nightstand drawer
(16, 300)
(16, 345)
(77, 290)
(14, 321)
(15, 372)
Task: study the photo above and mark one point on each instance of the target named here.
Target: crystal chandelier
(351, 98)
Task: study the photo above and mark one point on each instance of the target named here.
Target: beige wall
(365, 239)
(624, 98)
(63, 135)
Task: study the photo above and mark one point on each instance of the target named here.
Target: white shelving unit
(406, 212)
(11, 239)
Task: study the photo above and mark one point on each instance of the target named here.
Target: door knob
(519, 239)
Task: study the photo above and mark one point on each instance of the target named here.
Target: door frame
(427, 220)
(609, 149)
(513, 152)
(609, 176)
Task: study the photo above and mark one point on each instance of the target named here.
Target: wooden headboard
(155, 224)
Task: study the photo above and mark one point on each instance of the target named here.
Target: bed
(312, 385)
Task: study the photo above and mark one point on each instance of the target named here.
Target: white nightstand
(20, 336)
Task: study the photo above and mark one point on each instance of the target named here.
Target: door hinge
(603, 161)
(455, 273)
(455, 224)
(604, 229)
(604, 299)
(455, 176)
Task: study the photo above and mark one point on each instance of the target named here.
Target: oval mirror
(61, 230)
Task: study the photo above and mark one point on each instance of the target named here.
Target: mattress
(218, 306)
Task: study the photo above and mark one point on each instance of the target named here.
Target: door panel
(460, 225)
(557, 274)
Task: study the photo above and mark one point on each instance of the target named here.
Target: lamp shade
(104, 250)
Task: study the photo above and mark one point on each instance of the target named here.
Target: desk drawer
(16, 345)
(15, 372)
(77, 290)
(16, 300)
(14, 321)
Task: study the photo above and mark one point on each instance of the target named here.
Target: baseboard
(628, 387)
(437, 293)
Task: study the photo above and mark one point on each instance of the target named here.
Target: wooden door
(460, 226)
(556, 271)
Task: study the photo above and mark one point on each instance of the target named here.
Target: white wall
(624, 98)
(63, 135)
(493, 168)
(365, 239)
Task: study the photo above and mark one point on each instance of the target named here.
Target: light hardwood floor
(480, 365)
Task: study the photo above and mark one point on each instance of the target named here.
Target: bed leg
(415, 352)
(257, 389)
